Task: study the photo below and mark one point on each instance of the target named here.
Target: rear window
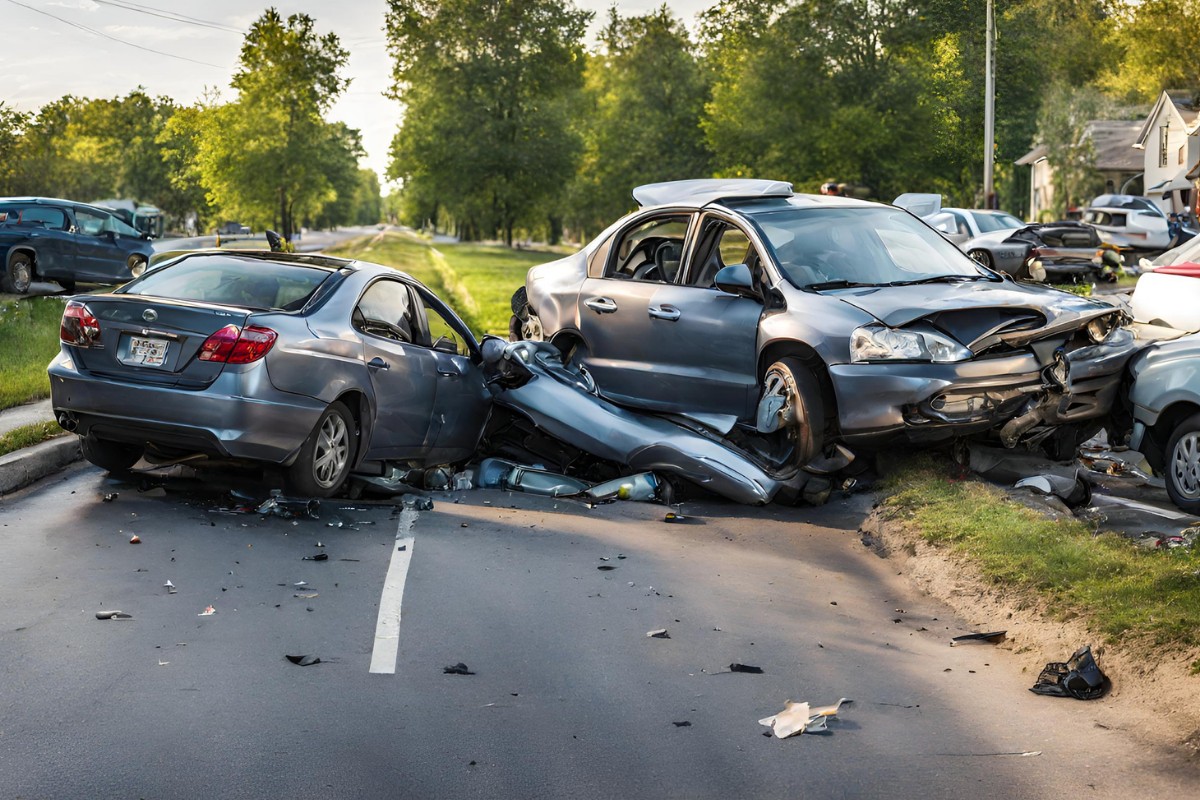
(243, 282)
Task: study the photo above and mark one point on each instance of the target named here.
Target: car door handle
(378, 363)
(669, 313)
(450, 373)
(601, 305)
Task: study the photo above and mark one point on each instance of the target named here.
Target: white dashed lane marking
(387, 627)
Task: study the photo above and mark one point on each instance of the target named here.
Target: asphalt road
(570, 698)
(310, 242)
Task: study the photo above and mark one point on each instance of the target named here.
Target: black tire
(67, 286)
(803, 413)
(18, 275)
(308, 478)
(1183, 470)
(520, 304)
(983, 257)
(109, 455)
(137, 265)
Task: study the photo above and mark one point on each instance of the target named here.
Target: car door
(99, 256)
(404, 375)
(462, 401)
(47, 230)
(709, 338)
(614, 310)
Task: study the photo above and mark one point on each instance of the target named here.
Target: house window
(1162, 145)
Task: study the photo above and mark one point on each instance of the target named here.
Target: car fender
(553, 291)
(1164, 376)
(821, 322)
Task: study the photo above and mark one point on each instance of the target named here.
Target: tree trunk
(285, 229)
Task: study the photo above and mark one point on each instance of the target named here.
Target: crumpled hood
(959, 308)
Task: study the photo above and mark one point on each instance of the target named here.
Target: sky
(43, 58)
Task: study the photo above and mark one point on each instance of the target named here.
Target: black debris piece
(735, 667)
(349, 559)
(1079, 677)
(684, 724)
(113, 615)
(402, 547)
(661, 633)
(303, 661)
(317, 557)
(994, 637)
(419, 503)
(606, 567)
(457, 669)
(108, 498)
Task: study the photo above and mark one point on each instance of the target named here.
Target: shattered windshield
(861, 246)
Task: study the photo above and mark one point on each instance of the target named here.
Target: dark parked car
(66, 242)
(315, 364)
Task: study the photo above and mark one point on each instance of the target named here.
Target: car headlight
(1101, 328)
(888, 344)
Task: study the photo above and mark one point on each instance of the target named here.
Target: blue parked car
(66, 242)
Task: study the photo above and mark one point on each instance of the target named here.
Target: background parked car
(1057, 251)
(66, 242)
(1129, 221)
(962, 225)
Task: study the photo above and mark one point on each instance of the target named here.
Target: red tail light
(79, 326)
(234, 346)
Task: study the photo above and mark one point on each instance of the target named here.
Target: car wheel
(792, 411)
(137, 265)
(326, 456)
(109, 455)
(1183, 465)
(982, 256)
(19, 275)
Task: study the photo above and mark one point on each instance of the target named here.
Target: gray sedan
(317, 364)
(1165, 399)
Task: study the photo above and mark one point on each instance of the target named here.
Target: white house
(1116, 162)
(1172, 147)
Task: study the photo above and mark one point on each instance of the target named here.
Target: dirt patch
(1154, 694)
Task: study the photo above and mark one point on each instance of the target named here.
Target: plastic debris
(317, 557)
(606, 567)
(113, 615)
(303, 661)
(462, 481)
(1074, 491)
(994, 637)
(163, 663)
(135, 539)
(308, 596)
(419, 503)
(457, 669)
(170, 587)
(797, 718)
(735, 667)
(684, 724)
(208, 612)
(279, 506)
(661, 633)
(108, 498)
(298, 583)
(1079, 677)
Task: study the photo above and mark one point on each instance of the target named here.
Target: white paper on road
(387, 626)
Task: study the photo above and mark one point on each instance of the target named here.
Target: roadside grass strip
(28, 341)
(28, 436)
(1064, 567)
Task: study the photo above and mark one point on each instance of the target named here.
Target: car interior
(652, 251)
(721, 245)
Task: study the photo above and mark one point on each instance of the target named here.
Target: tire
(18, 276)
(67, 286)
(1182, 465)
(137, 265)
(109, 455)
(983, 257)
(520, 304)
(800, 420)
(312, 474)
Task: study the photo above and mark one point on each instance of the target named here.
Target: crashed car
(1129, 221)
(787, 325)
(318, 365)
(961, 225)
(1056, 251)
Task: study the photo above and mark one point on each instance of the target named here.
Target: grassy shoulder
(28, 341)
(28, 436)
(1063, 565)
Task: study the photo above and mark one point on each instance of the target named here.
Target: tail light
(79, 326)
(233, 346)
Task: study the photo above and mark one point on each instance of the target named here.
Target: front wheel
(1183, 465)
(983, 257)
(137, 265)
(791, 412)
(109, 455)
(19, 275)
(326, 456)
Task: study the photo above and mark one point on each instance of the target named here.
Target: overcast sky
(42, 58)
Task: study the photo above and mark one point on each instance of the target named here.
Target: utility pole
(989, 114)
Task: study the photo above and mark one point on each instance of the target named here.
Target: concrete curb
(29, 464)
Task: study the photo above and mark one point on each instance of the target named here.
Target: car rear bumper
(239, 416)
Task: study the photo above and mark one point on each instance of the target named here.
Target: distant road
(310, 242)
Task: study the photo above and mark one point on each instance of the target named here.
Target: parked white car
(962, 225)
(1129, 221)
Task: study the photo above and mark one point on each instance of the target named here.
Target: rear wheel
(1183, 465)
(791, 411)
(326, 456)
(17, 278)
(109, 455)
(137, 265)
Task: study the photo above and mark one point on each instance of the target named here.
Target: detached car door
(614, 311)
(403, 374)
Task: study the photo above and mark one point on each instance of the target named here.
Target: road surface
(569, 698)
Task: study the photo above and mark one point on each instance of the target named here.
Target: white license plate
(146, 352)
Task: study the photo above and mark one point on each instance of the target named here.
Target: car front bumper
(240, 415)
(883, 403)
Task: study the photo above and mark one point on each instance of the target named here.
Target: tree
(12, 128)
(1063, 129)
(1159, 48)
(486, 87)
(643, 100)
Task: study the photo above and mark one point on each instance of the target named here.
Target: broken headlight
(889, 344)
(1101, 328)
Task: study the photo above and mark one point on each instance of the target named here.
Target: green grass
(28, 436)
(28, 340)
(1122, 590)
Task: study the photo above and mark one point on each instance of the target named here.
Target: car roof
(54, 201)
(699, 193)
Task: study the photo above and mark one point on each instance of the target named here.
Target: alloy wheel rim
(22, 276)
(137, 268)
(332, 451)
(1185, 465)
(777, 385)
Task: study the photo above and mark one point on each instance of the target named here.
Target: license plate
(146, 352)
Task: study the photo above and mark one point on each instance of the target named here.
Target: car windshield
(873, 246)
(989, 222)
(242, 282)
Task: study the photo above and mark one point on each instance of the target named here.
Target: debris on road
(135, 539)
(163, 663)
(661, 633)
(1079, 677)
(496, 473)
(317, 557)
(684, 724)
(606, 567)
(303, 661)
(113, 615)
(994, 637)
(208, 612)
(735, 667)
(279, 506)
(306, 596)
(797, 718)
(457, 669)
(108, 498)
(170, 587)
(1075, 492)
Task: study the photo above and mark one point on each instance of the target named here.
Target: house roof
(1113, 141)
(1033, 156)
(1184, 107)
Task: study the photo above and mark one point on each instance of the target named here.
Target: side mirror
(736, 279)
(445, 344)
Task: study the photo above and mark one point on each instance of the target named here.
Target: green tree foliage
(639, 121)
(1063, 128)
(487, 87)
(1158, 48)
(12, 127)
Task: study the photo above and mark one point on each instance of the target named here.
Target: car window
(440, 329)
(242, 282)
(650, 251)
(98, 223)
(50, 218)
(720, 245)
(960, 224)
(386, 310)
(997, 222)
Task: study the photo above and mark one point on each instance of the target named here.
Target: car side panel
(554, 290)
